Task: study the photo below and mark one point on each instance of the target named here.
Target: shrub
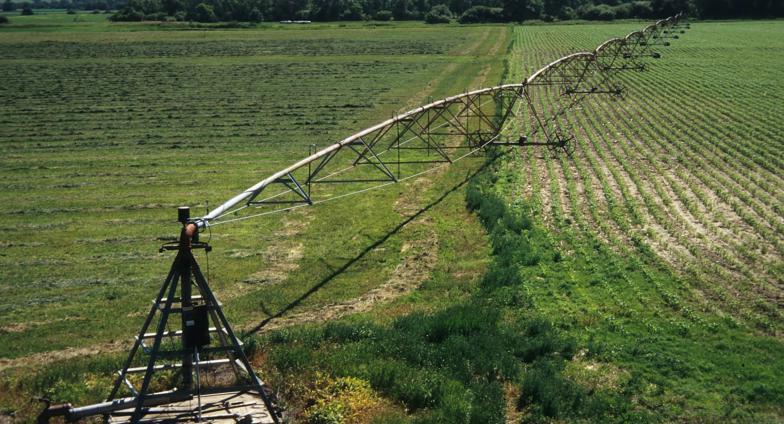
(250, 346)
(293, 359)
(473, 197)
(456, 403)
(27, 10)
(481, 14)
(517, 221)
(439, 14)
(552, 395)
(463, 320)
(325, 413)
(3, 20)
(491, 209)
(489, 406)
(416, 388)
(160, 16)
(342, 332)
(383, 15)
(70, 11)
(501, 276)
(541, 341)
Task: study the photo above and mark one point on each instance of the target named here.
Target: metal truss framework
(442, 132)
(402, 147)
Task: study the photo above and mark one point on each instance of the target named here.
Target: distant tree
(332, 10)
(664, 8)
(255, 15)
(171, 7)
(554, 8)
(324, 10)
(429, 10)
(439, 14)
(27, 10)
(480, 14)
(400, 10)
(147, 7)
(70, 11)
(723, 9)
(642, 9)
(371, 7)
(204, 13)
(8, 6)
(351, 10)
(419, 8)
(567, 13)
(711, 8)
(597, 12)
(287, 9)
(521, 10)
(622, 11)
(458, 6)
(127, 15)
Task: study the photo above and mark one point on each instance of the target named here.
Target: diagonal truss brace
(403, 145)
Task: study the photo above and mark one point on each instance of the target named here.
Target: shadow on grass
(336, 272)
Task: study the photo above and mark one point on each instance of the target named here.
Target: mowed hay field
(639, 279)
(104, 134)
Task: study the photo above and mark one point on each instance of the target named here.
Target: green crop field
(639, 279)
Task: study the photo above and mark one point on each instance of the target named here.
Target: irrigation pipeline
(443, 132)
(406, 146)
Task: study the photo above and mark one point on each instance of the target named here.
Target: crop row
(258, 44)
(653, 174)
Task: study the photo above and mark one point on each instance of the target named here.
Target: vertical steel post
(186, 298)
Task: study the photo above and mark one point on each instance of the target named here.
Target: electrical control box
(196, 326)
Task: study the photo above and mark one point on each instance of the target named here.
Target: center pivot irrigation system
(406, 146)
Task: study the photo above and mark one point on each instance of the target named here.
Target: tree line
(437, 11)
(103, 5)
(432, 11)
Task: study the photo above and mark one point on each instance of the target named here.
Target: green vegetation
(83, 158)
(479, 14)
(255, 11)
(439, 14)
(105, 133)
(401, 10)
(633, 281)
